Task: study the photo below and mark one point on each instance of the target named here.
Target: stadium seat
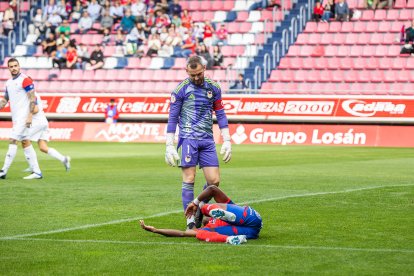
(385, 63)
(368, 15)
(311, 27)
(219, 16)
(347, 27)
(377, 76)
(389, 76)
(315, 38)
(359, 27)
(254, 16)
(380, 15)
(76, 75)
(346, 63)
(334, 27)
(392, 15)
(321, 63)
(372, 64)
(170, 75)
(351, 38)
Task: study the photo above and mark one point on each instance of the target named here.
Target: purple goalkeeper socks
(187, 194)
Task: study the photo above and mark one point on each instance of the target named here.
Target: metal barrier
(257, 77)
(276, 53)
(11, 42)
(302, 17)
(2, 49)
(293, 30)
(22, 30)
(266, 66)
(284, 41)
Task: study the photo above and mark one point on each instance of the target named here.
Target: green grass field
(326, 210)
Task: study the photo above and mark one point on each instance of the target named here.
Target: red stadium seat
(351, 38)
(326, 38)
(323, 27)
(76, 75)
(311, 27)
(399, 63)
(368, 51)
(331, 51)
(393, 50)
(145, 63)
(228, 5)
(297, 62)
(303, 38)
(333, 63)
(170, 75)
(179, 63)
(242, 16)
(300, 75)
(339, 39)
(372, 64)
(346, 63)
(343, 51)
(285, 63)
(334, 27)
(377, 38)
(385, 63)
(64, 75)
(294, 50)
(307, 63)
(368, 15)
(377, 76)
(384, 27)
(380, 15)
(313, 76)
(372, 27)
(287, 76)
(359, 63)
(321, 63)
(306, 51)
(400, 4)
(389, 76)
(347, 27)
(392, 15)
(194, 5)
(217, 6)
(359, 27)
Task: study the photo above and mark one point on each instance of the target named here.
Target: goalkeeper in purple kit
(192, 106)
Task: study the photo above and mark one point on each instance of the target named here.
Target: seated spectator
(71, 58)
(85, 23)
(161, 20)
(409, 33)
(62, 39)
(53, 22)
(328, 11)
(239, 84)
(106, 40)
(137, 35)
(377, 4)
(139, 9)
(263, 4)
(197, 33)
(154, 45)
(107, 21)
(217, 56)
(341, 11)
(204, 52)
(176, 20)
(167, 50)
(221, 35)
(116, 11)
(407, 49)
(161, 6)
(59, 60)
(317, 11)
(38, 24)
(8, 20)
(94, 10)
(186, 20)
(77, 11)
(173, 38)
(64, 28)
(188, 47)
(120, 38)
(208, 34)
(50, 9)
(96, 61)
(127, 22)
(175, 8)
(61, 7)
(49, 45)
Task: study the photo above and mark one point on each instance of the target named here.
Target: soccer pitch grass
(326, 210)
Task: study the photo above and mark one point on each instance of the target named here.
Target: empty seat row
(348, 38)
(342, 76)
(346, 63)
(389, 15)
(345, 50)
(331, 88)
(357, 27)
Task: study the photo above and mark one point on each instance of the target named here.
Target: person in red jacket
(111, 112)
(318, 11)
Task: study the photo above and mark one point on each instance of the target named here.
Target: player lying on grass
(228, 222)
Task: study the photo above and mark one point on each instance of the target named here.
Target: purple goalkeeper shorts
(197, 152)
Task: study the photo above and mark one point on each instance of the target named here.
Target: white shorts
(35, 133)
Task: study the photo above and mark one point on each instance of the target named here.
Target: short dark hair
(194, 61)
(12, 60)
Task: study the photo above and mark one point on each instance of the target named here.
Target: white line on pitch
(87, 226)
(271, 246)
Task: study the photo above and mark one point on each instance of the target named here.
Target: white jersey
(16, 90)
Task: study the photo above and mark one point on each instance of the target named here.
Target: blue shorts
(233, 230)
(197, 152)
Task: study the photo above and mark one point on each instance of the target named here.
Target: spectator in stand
(107, 21)
(162, 6)
(186, 20)
(116, 11)
(106, 39)
(188, 47)
(204, 52)
(59, 60)
(13, 5)
(64, 28)
(317, 11)
(120, 38)
(175, 8)
(50, 9)
(328, 11)
(239, 84)
(377, 4)
(77, 11)
(62, 39)
(111, 112)
(173, 38)
(221, 35)
(154, 45)
(85, 23)
(61, 7)
(176, 20)
(83, 55)
(341, 11)
(139, 9)
(167, 50)
(53, 22)
(49, 45)
(127, 22)
(407, 49)
(37, 26)
(151, 7)
(137, 35)
(8, 20)
(96, 60)
(217, 56)
(197, 33)
(208, 34)
(71, 58)
(161, 20)
(94, 10)
(409, 33)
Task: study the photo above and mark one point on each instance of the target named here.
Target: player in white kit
(29, 122)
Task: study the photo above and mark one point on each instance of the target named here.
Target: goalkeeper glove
(171, 154)
(226, 147)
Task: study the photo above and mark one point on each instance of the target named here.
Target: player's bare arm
(209, 193)
(168, 232)
(32, 106)
(3, 102)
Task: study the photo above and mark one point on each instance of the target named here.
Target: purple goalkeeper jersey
(192, 108)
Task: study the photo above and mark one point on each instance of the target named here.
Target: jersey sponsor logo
(173, 99)
(368, 109)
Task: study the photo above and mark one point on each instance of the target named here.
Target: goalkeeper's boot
(198, 218)
(66, 163)
(223, 215)
(236, 240)
(191, 226)
(34, 176)
(2, 174)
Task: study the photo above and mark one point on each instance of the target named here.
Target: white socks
(11, 153)
(57, 155)
(31, 158)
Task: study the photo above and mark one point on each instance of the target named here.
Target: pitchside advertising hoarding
(253, 109)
